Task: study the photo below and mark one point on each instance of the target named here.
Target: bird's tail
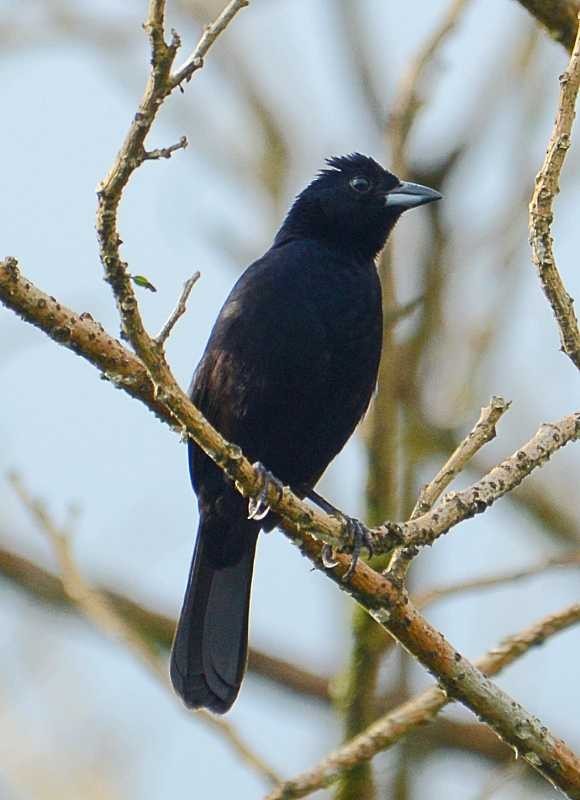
(208, 657)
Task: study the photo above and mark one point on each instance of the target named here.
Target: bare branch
(385, 600)
(503, 478)
(88, 339)
(481, 434)
(210, 34)
(165, 152)
(542, 215)
(103, 615)
(81, 334)
(550, 511)
(131, 155)
(462, 681)
(179, 310)
(391, 728)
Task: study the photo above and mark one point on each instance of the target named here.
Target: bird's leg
(258, 507)
(354, 529)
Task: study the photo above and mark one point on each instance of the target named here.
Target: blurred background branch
(383, 426)
(421, 709)
(153, 627)
(559, 17)
(103, 615)
(480, 328)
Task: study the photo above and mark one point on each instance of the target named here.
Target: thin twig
(438, 593)
(210, 34)
(179, 310)
(91, 602)
(385, 600)
(165, 152)
(98, 609)
(402, 311)
(542, 213)
(551, 508)
(388, 730)
(482, 433)
(500, 480)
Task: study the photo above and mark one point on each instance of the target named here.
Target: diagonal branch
(482, 433)
(178, 311)
(421, 709)
(210, 34)
(163, 396)
(456, 507)
(542, 210)
(462, 680)
(88, 339)
(385, 599)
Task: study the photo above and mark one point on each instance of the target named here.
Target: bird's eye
(360, 184)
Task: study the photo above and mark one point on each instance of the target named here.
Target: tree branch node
(165, 152)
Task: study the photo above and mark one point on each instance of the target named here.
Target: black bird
(287, 373)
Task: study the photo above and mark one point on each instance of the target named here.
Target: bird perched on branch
(287, 373)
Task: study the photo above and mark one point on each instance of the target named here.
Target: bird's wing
(263, 378)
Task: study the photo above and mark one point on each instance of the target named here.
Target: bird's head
(353, 204)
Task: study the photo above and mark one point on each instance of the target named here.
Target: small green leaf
(142, 281)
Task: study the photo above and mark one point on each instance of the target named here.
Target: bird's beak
(410, 195)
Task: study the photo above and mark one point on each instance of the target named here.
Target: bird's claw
(360, 537)
(258, 507)
(327, 556)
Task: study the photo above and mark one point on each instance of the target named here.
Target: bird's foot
(328, 558)
(354, 531)
(258, 507)
(359, 535)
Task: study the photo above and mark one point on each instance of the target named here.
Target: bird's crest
(353, 164)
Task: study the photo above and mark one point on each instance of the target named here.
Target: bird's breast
(350, 307)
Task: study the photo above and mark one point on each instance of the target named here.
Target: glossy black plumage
(287, 373)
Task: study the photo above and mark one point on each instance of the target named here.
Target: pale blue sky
(76, 698)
